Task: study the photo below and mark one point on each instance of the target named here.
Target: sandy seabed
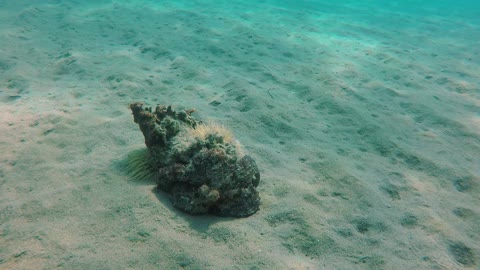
(364, 122)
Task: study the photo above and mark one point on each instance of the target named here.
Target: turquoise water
(362, 116)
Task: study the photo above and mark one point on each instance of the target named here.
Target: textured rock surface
(204, 174)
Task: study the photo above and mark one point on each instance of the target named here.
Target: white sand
(364, 122)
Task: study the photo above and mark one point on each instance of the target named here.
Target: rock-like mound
(200, 165)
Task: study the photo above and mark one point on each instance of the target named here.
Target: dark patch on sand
(409, 220)
(462, 254)
(365, 225)
(392, 191)
(464, 184)
(464, 213)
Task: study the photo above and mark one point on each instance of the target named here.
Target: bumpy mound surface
(204, 174)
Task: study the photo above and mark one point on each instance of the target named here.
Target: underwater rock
(200, 165)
